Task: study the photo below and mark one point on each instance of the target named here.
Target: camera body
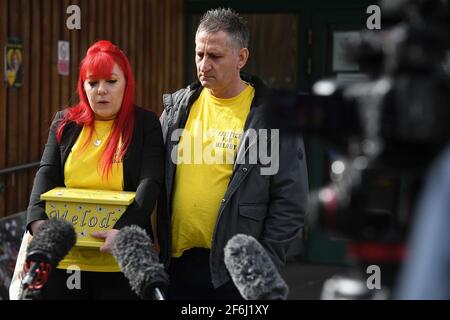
(393, 123)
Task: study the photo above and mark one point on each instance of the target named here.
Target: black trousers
(92, 286)
(190, 279)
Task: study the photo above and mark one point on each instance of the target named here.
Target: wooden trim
(3, 102)
(55, 103)
(24, 106)
(35, 87)
(13, 110)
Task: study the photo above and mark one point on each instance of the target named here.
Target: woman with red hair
(103, 142)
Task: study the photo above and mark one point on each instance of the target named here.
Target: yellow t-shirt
(82, 170)
(206, 153)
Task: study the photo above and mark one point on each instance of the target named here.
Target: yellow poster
(13, 63)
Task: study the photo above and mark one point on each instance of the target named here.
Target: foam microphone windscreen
(139, 262)
(252, 270)
(54, 238)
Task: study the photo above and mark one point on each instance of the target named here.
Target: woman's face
(105, 95)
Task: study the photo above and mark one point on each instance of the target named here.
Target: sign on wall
(63, 58)
(13, 63)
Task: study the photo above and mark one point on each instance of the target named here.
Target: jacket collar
(261, 89)
(255, 119)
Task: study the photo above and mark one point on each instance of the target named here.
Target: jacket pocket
(251, 219)
(255, 212)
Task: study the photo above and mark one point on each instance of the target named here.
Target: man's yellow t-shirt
(206, 153)
(82, 170)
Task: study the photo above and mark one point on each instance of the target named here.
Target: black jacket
(270, 208)
(143, 168)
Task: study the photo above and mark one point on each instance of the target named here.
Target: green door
(329, 24)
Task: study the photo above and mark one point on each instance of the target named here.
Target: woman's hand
(109, 237)
(35, 225)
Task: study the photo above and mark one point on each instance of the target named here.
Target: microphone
(139, 262)
(53, 240)
(252, 270)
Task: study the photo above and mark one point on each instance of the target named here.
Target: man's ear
(242, 57)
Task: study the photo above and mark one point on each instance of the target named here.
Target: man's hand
(109, 237)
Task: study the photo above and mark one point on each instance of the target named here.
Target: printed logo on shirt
(223, 147)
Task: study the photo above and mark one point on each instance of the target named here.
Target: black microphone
(252, 270)
(139, 262)
(53, 240)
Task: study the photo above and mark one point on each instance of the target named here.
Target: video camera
(394, 122)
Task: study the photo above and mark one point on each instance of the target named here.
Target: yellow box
(88, 210)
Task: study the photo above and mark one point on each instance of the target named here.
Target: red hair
(99, 62)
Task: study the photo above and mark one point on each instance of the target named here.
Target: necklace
(102, 130)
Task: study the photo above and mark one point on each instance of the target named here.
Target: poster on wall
(63, 58)
(13, 63)
(11, 232)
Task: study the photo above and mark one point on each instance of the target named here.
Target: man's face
(218, 60)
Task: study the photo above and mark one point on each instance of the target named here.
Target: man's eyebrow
(208, 52)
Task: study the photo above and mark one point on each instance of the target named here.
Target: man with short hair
(226, 173)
